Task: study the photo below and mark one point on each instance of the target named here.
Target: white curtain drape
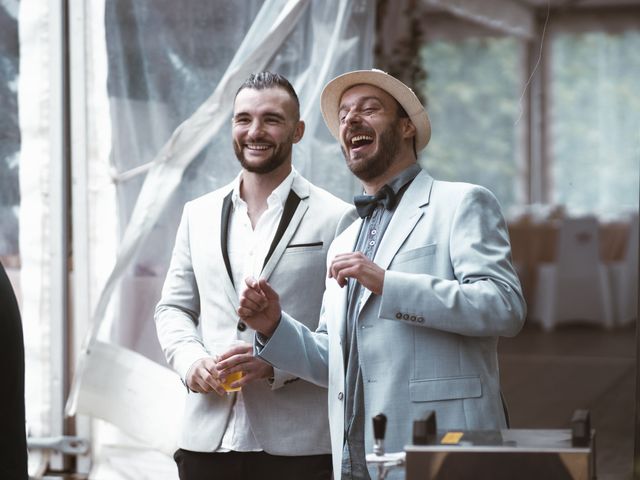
(171, 74)
(156, 89)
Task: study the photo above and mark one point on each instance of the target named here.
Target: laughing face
(370, 130)
(265, 125)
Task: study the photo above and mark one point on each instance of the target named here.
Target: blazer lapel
(346, 242)
(405, 218)
(224, 232)
(224, 236)
(294, 209)
(290, 207)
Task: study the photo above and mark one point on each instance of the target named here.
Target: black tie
(366, 204)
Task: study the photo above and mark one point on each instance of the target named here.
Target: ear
(298, 133)
(408, 128)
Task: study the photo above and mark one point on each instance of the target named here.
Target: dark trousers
(251, 465)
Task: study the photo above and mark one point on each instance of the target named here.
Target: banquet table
(533, 243)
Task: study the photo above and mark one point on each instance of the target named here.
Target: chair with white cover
(575, 287)
(623, 277)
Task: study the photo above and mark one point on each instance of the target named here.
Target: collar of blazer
(294, 209)
(408, 213)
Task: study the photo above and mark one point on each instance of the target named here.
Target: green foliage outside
(473, 90)
(593, 103)
(595, 119)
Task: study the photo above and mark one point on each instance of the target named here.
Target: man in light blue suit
(418, 292)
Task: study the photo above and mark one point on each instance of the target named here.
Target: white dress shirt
(247, 248)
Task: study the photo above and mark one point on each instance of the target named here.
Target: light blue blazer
(429, 342)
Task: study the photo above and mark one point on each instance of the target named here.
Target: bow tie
(366, 204)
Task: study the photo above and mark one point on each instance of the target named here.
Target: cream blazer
(198, 310)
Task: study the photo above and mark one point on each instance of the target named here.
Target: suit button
(413, 318)
(398, 315)
(242, 326)
(405, 316)
(340, 396)
(420, 320)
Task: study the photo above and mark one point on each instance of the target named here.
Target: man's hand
(203, 377)
(260, 306)
(240, 358)
(357, 266)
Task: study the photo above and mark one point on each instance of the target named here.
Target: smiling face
(372, 134)
(265, 125)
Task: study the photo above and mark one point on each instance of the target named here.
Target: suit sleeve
(178, 311)
(294, 350)
(484, 297)
(298, 350)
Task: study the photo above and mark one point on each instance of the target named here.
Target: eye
(241, 120)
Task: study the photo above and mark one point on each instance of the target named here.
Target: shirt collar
(277, 197)
(404, 177)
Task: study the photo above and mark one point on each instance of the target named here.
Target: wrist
(273, 327)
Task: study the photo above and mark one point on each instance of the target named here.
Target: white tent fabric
(168, 166)
(138, 173)
(309, 42)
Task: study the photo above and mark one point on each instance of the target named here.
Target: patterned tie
(366, 204)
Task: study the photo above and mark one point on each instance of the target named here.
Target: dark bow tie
(366, 204)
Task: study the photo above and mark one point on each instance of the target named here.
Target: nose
(255, 129)
(351, 117)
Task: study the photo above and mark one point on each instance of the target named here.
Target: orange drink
(230, 379)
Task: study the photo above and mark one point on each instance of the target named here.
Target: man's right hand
(260, 306)
(203, 377)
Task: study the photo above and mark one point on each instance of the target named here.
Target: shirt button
(405, 316)
(372, 243)
(413, 318)
(374, 231)
(340, 396)
(398, 315)
(420, 320)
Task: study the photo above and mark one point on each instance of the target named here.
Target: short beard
(280, 155)
(376, 165)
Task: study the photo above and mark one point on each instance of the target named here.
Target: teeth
(253, 146)
(359, 138)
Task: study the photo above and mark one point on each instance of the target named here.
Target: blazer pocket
(450, 388)
(304, 247)
(415, 253)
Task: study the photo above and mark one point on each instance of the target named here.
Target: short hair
(402, 113)
(264, 80)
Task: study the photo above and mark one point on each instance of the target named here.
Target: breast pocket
(414, 260)
(304, 247)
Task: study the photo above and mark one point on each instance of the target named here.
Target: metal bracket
(66, 444)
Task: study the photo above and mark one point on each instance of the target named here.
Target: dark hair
(402, 113)
(264, 80)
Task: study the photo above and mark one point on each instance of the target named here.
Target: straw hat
(332, 93)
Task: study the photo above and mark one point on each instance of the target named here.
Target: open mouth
(360, 141)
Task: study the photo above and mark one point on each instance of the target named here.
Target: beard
(281, 153)
(367, 169)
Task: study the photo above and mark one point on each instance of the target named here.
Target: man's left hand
(241, 359)
(357, 266)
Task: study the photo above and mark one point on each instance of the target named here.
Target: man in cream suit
(419, 289)
(269, 222)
